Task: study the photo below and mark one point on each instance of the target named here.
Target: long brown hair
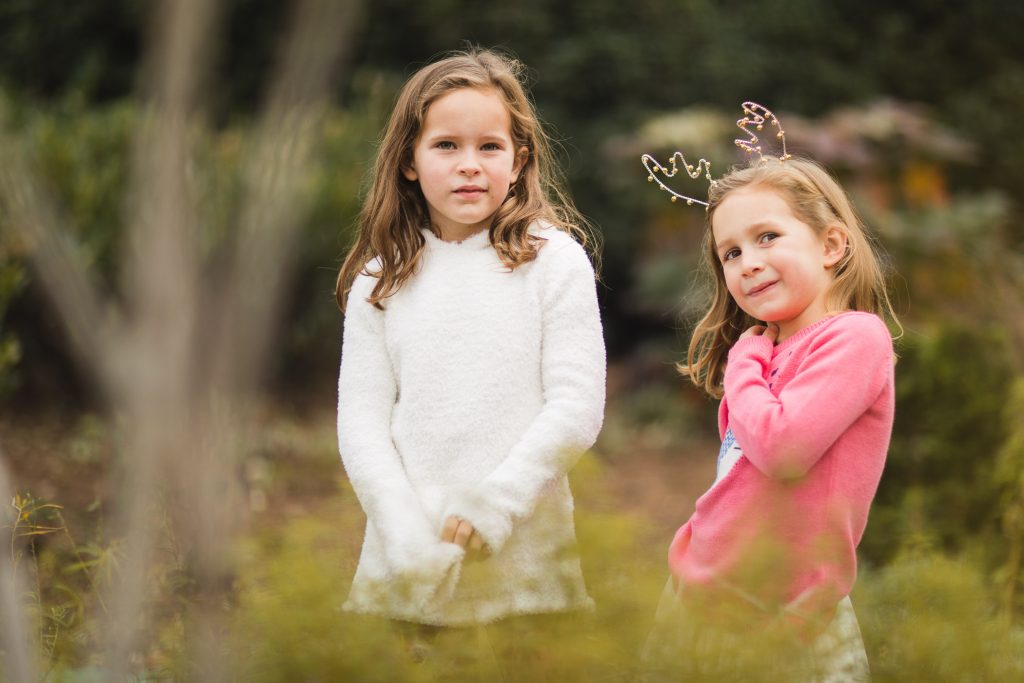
(395, 209)
(816, 199)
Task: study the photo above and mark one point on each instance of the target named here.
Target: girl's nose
(469, 164)
(752, 264)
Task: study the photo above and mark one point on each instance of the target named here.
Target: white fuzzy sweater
(471, 394)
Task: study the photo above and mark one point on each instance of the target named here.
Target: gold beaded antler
(694, 171)
(757, 115)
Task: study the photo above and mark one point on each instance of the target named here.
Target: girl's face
(465, 161)
(776, 267)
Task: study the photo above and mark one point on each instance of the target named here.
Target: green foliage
(92, 47)
(60, 575)
(289, 622)
(82, 156)
(311, 339)
(928, 617)
(945, 485)
(924, 617)
(289, 625)
(939, 487)
(658, 416)
(1009, 476)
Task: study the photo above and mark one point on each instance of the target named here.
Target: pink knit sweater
(813, 416)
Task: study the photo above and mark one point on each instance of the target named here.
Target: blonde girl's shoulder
(861, 320)
(862, 325)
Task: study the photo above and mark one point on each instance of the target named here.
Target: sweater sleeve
(367, 391)
(573, 378)
(839, 379)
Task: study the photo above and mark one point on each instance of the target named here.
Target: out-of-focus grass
(924, 616)
(288, 623)
(295, 576)
(930, 618)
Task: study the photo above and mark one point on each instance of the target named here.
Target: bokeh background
(915, 106)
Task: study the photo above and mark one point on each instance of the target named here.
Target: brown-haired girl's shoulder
(549, 232)
(364, 281)
(558, 243)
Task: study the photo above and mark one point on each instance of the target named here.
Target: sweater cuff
(428, 577)
(493, 525)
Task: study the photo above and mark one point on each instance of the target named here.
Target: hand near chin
(771, 331)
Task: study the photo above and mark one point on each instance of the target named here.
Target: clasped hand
(461, 533)
(771, 331)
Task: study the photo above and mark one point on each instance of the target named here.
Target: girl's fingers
(771, 331)
(451, 525)
(753, 331)
(463, 534)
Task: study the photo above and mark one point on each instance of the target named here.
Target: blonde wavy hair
(395, 209)
(815, 198)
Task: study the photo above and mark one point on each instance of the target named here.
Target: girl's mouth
(761, 288)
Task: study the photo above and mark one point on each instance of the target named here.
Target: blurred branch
(276, 177)
(34, 219)
(183, 381)
(277, 180)
(161, 285)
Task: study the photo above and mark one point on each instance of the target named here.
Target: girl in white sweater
(473, 367)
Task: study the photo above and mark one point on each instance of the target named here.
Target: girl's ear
(522, 154)
(835, 244)
(409, 171)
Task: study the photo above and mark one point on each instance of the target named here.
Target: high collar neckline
(478, 240)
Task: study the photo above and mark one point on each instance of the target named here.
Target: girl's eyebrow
(440, 135)
(761, 225)
(448, 135)
(753, 227)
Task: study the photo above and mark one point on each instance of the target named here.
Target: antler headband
(755, 115)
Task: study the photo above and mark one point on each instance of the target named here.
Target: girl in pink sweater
(794, 345)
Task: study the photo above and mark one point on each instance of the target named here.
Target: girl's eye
(730, 255)
(446, 144)
(767, 237)
(491, 147)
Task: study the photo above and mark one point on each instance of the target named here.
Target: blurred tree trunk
(181, 352)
